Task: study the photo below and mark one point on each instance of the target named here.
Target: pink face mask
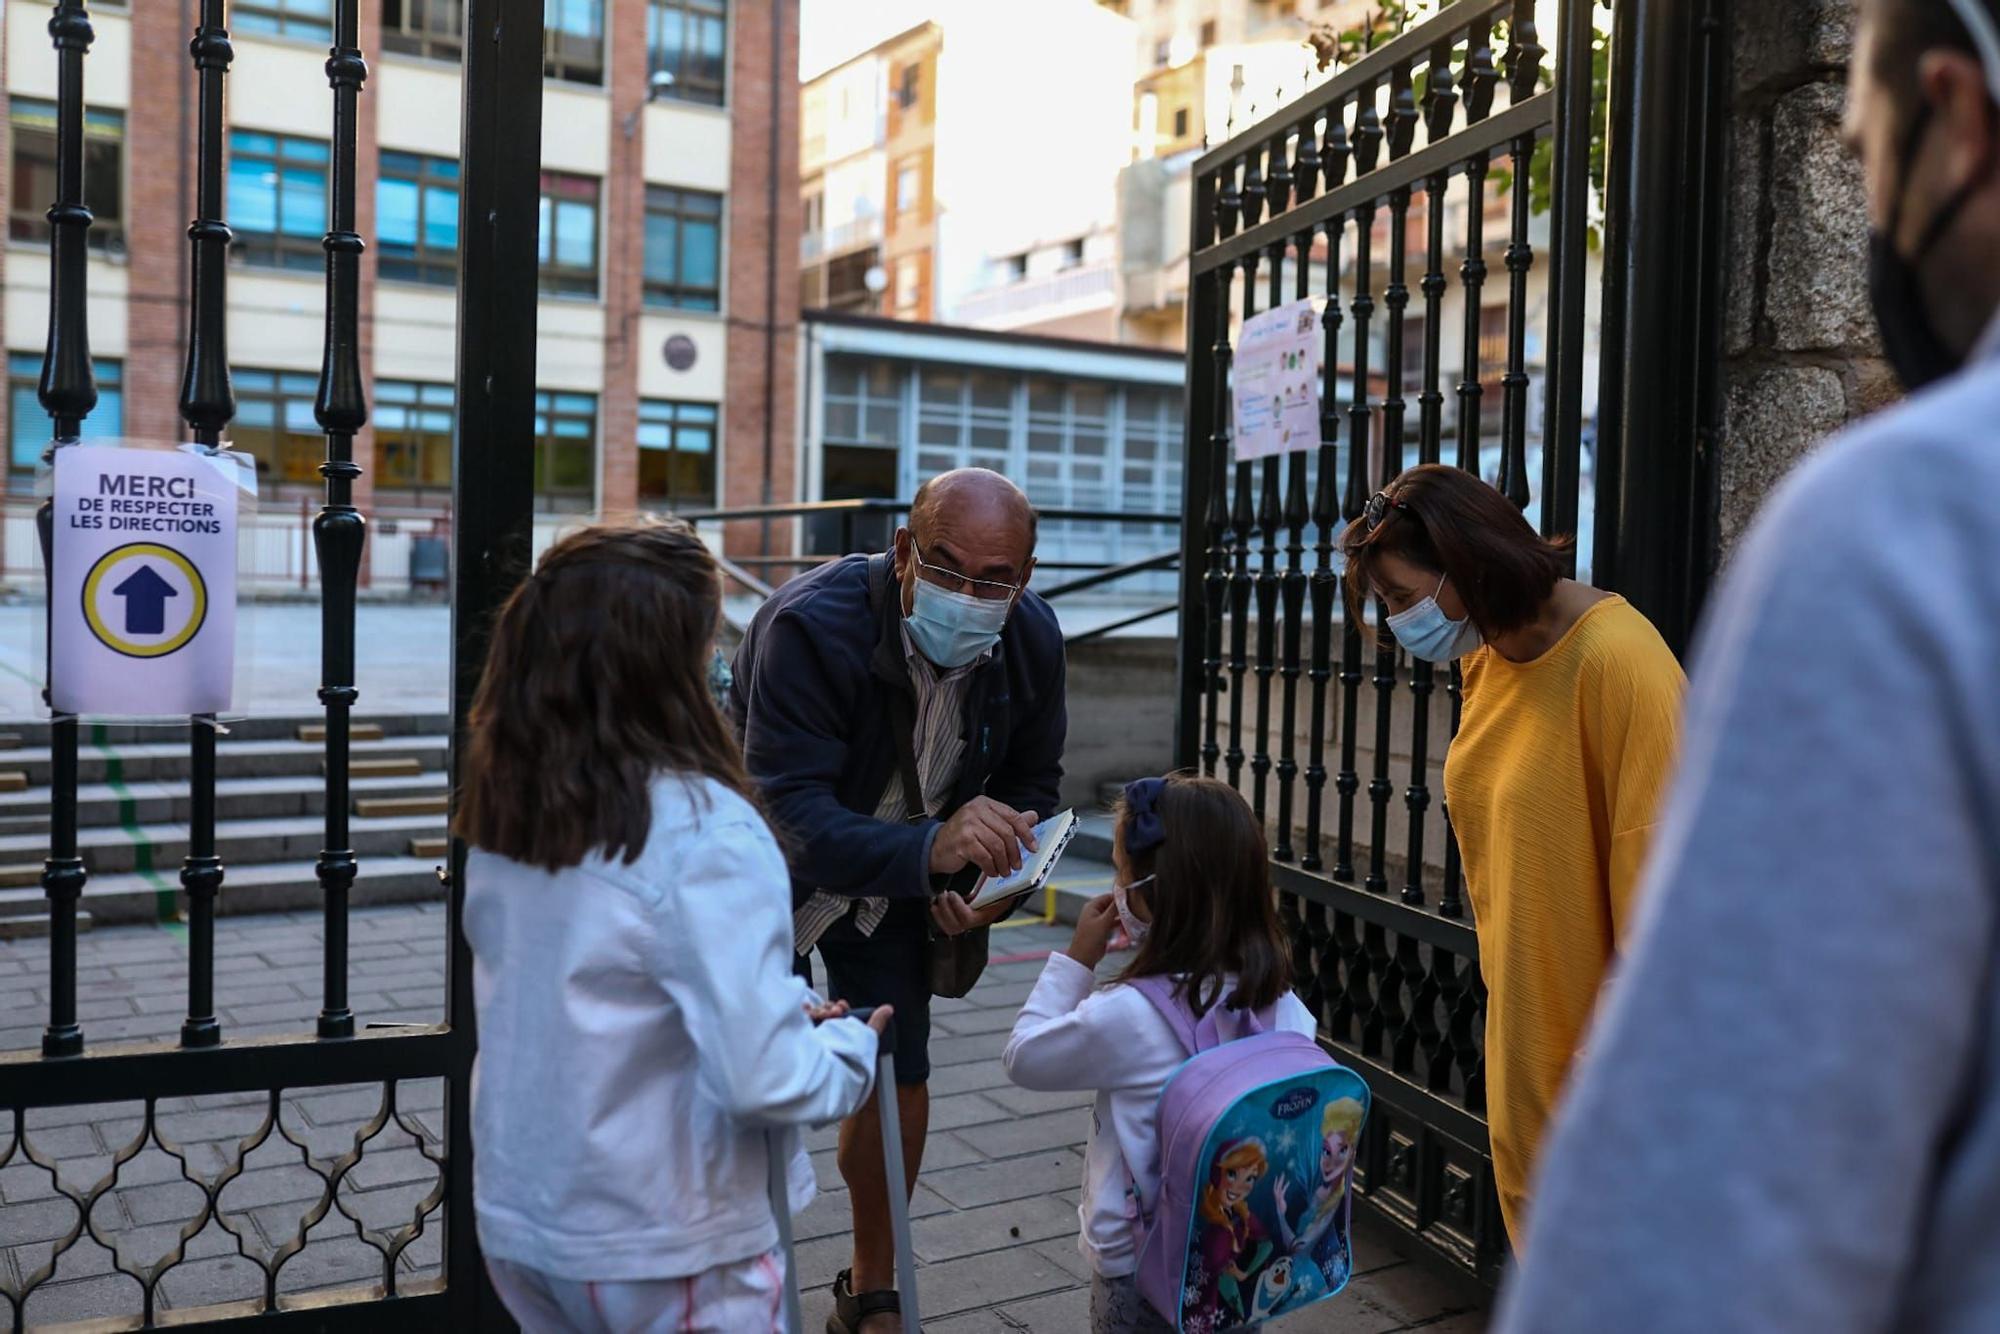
(1135, 930)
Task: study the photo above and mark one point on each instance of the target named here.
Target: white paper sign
(143, 598)
(1277, 380)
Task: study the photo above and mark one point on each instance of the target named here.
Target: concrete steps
(235, 757)
(126, 898)
(133, 809)
(110, 848)
(159, 802)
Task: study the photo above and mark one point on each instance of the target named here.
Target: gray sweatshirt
(1788, 1114)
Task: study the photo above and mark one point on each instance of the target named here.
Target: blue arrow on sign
(145, 595)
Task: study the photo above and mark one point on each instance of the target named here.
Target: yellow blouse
(1553, 783)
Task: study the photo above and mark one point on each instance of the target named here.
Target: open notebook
(1051, 837)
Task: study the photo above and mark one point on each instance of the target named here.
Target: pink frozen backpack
(1257, 1143)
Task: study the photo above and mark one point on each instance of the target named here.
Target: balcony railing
(839, 239)
(1027, 296)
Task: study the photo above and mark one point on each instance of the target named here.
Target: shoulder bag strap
(903, 722)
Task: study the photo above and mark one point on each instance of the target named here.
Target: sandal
(851, 1308)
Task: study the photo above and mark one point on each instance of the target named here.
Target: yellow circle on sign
(116, 642)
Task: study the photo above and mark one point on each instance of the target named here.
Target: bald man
(936, 658)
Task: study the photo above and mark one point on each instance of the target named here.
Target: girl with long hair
(630, 922)
(1194, 895)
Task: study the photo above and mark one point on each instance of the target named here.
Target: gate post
(1658, 399)
(492, 476)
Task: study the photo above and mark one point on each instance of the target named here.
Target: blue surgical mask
(1430, 634)
(951, 629)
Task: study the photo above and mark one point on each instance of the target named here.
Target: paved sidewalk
(996, 1207)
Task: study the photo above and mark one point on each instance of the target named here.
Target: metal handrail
(737, 571)
(1164, 560)
(809, 508)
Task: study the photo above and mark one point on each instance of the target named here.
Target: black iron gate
(1410, 168)
(154, 1085)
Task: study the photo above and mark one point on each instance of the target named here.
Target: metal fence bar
(207, 405)
(1297, 512)
(68, 392)
(1242, 521)
(340, 531)
(1269, 507)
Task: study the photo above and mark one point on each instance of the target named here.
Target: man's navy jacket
(811, 701)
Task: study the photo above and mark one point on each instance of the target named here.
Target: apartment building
(940, 184)
(666, 364)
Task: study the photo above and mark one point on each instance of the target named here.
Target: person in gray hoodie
(1788, 1114)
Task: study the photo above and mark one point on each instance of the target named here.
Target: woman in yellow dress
(1572, 707)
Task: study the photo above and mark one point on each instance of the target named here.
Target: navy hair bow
(1143, 831)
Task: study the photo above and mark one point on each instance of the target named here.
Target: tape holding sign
(143, 588)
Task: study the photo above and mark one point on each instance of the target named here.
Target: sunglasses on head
(1377, 510)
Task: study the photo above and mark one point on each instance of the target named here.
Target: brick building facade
(667, 355)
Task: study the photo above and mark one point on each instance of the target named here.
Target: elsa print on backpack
(1255, 1246)
(1217, 1176)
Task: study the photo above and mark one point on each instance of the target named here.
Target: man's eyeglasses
(1378, 509)
(953, 582)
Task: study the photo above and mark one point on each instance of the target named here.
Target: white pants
(742, 1298)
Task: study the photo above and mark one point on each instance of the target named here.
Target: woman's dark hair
(1447, 521)
(596, 681)
(1213, 911)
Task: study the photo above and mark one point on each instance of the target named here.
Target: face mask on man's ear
(1910, 339)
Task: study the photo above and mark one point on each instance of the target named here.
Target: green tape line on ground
(166, 902)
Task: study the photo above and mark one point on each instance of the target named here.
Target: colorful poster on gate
(1277, 381)
(142, 616)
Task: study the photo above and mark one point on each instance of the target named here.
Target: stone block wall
(1800, 352)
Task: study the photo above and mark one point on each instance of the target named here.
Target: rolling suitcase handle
(899, 1205)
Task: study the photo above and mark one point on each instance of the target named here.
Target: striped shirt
(940, 747)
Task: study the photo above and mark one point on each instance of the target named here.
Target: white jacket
(639, 1029)
(1073, 1036)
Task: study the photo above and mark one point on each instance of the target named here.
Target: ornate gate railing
(1382, 180)
(141, 1097)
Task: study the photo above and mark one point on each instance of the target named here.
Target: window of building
(908, 276)
(1162, 53)
(907, 85)
(863, 440)
(565, 451)
(277, 199)
(306, 20)
(1208, 33)
(1015, 267)
(1072, 253)
(964, 419)
(416, 218)
(32, 183)
(431, 28)
(573, 40)
(676, 454)
(568, 250)
(1180, 122)
(413, 425)
(906, 189)
(688, 39)
(274, 423)
(683, 249)
(30, 424)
